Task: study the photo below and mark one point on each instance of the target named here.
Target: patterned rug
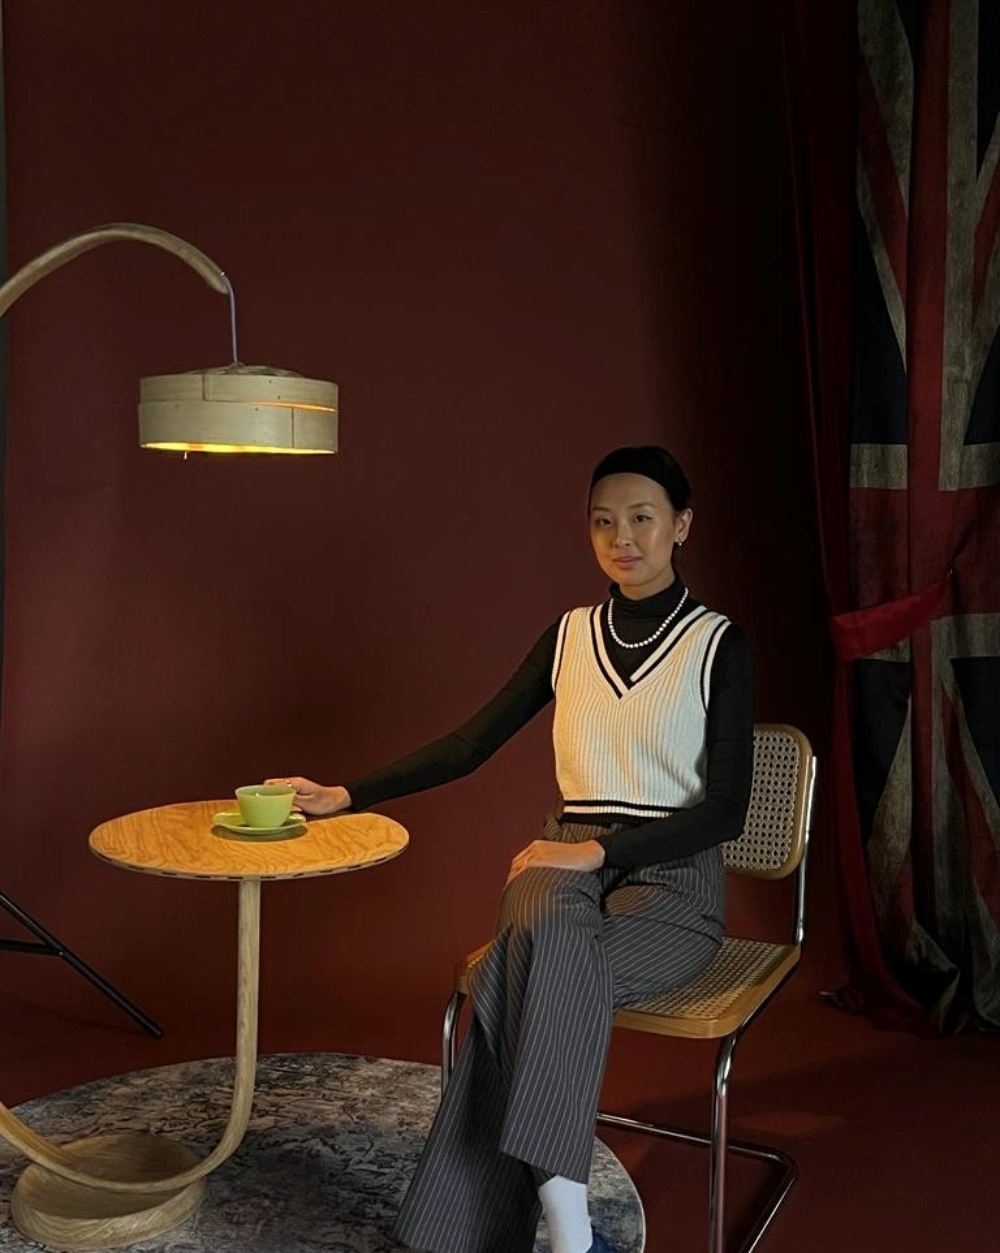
(332, 1143)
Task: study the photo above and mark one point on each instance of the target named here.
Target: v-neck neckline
(621, 686)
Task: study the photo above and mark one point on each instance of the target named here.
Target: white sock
(565, 1204)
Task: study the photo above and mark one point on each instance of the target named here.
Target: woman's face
(633, 528)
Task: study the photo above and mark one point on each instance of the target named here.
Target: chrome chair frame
(717, 1141)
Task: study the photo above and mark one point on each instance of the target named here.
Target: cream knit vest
(632, 751)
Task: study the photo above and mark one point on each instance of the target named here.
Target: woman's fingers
(521, 861)
(303, 787)
(555, 855)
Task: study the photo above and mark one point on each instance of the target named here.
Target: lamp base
(68, 1216)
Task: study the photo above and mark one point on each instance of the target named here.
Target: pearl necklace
(656, 634)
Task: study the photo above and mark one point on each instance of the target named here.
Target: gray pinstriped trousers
(570, 948)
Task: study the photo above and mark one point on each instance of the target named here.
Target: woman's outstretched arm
(460, 752)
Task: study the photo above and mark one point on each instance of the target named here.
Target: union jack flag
(925, 500)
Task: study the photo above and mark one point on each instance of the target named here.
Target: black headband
(652, 462)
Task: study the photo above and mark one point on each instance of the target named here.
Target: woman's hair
(652, 461)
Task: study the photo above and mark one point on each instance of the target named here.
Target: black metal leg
(49, 946)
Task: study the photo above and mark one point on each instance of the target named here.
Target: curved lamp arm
(113, 232)
(235, 408)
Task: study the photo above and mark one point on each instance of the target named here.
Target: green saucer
(232, 820)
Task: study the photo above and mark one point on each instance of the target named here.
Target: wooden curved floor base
(68, 1216)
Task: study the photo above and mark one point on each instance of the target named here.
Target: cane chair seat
(728, 991)
(738, 980)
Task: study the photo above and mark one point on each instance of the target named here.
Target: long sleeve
(460, 752)
(729, 749)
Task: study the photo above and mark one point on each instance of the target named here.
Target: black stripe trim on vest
(611, 676)
(608, 803)
(707, 661)
(560, 649)
(615, 812)
(653, 661)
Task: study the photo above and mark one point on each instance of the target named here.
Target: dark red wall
(516, 235)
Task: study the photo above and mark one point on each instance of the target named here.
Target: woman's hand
(313, 798)
(558, 856)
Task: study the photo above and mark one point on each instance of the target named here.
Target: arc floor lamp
(228, 409)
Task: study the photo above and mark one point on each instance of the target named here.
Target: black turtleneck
(729, 736)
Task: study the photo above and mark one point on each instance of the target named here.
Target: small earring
(680, 543)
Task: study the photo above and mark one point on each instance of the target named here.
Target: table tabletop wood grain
(180, 841)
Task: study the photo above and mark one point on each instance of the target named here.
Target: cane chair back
(774, 834)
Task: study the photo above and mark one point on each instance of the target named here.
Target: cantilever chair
(743, 977)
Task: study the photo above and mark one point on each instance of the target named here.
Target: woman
(620, 900)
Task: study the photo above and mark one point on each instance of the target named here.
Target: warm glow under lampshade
(238, 409)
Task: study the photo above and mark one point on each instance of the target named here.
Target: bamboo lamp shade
(238, 409)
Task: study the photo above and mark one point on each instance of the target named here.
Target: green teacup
(265, 804)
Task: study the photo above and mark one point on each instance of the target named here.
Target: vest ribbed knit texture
(627, 752)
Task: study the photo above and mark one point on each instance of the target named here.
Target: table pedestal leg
(65, 1215)
(112, 1190)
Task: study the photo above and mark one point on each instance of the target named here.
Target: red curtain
(820, 49)
(893, 126)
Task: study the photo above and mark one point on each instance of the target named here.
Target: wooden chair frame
(711, 1008)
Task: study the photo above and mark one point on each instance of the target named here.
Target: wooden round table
(122, 1187)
